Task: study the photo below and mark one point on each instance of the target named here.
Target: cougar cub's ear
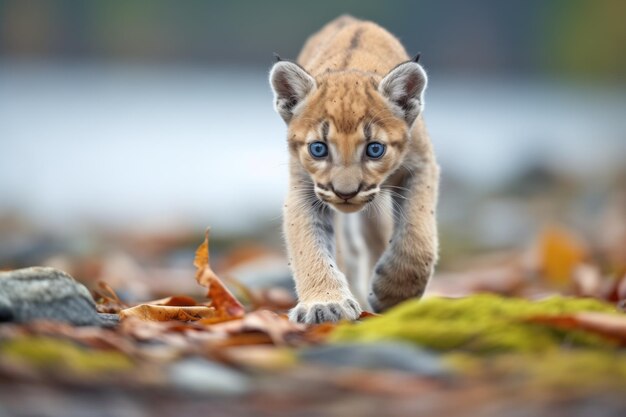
(291, 83)
(404, 87)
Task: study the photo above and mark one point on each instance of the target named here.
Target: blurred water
(138, 145)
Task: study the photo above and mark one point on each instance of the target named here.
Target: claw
(322, 312)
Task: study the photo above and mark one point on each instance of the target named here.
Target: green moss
(481, 323)
(47, 352)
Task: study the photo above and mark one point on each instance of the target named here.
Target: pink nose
(346, 195)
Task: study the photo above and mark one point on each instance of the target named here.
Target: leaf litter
(503, 335)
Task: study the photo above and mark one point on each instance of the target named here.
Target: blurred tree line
(576, 38)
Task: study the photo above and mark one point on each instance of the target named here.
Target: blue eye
(318, 149)
(375, 150)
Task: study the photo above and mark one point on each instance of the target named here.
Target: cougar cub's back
(349, 43)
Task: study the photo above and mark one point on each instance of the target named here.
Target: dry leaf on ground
(277, 328)
(608, 325)
(560, 252)
(226, 305)
(149, 312)
(175, 300)
(107, 300)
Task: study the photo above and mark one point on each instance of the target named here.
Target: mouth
(347, 207)
(351, 205)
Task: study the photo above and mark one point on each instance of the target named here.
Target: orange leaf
(367, 314)
(276, 327)
(317, 334)
(149, 312)
(175, 300)
(224, 302)
(608, 325)
(201, 260)
(559, 253)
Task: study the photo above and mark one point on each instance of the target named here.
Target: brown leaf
(319, 333)
(246, 339)
(107, 300)
(225, 304)
(175, 300)
(201, 260)
(277, 328)
(611, 326)
(149, 312)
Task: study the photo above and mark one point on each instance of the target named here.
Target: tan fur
(344, 105)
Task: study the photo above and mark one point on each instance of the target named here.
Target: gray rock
(109, 320)
(383, 355)
(47, 293)
(200, 376)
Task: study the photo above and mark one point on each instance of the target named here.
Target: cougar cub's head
(348, 129)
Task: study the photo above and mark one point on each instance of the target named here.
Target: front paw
(380, 304)
(396, 282)
(315, 312)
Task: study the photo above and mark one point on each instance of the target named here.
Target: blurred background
(127, 127)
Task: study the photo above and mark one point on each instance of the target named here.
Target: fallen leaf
(367, 315)
(149, 312)
(245, 339)
(612, 326)
(559, 253)
(275, 327)
(175, 300)
(224, 302)
(319, 333)
(201, 259)
(107, 300)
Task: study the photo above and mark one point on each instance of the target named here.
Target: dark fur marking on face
(295, 144)
(348, 125)
(369, 187)
(367, 131)
(325, 127)
(397, 144)
(323, 187)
